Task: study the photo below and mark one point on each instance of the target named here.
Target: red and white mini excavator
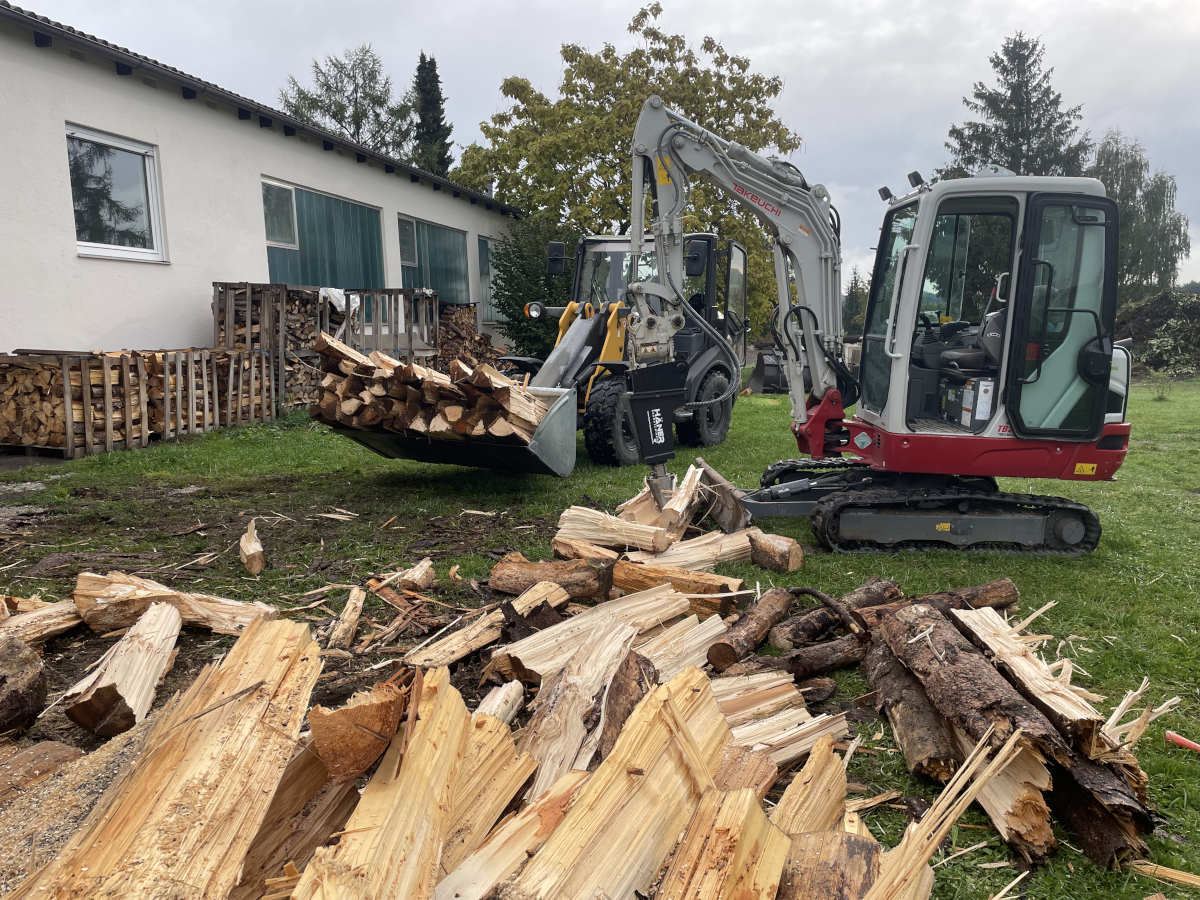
(987, 349)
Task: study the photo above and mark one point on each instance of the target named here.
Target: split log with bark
(829, 865)
(580, 578)
(486, 629)
(632, 576)
(726, 507)
(633, 680)
(243, 716)
(776, 552)
(346, 627)
(544, 653)
(39, 625)
(686, 643)
(350, 738)
(750, 629)
(701, 553)
(116, 600)
(556, 733)
(573, 548)
(584, 524)
(391, 846)
(119, 692)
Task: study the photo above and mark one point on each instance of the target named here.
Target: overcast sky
(872, 86)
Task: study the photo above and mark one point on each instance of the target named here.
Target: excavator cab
(590, 352)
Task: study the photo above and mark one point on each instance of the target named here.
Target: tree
(1154, 234)
(431, 146)
(1025, 128)
(854, 304)
(352, 97)
(519, 277)
(569, 157)
(99, 216)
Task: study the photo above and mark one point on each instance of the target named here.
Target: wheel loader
(590, 352)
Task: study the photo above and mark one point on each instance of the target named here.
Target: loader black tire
(607, 429)
(709, 425)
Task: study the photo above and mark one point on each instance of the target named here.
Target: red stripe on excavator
(953, 454)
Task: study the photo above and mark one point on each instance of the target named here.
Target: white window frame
(416, 250)
(155, 254)
(295, 245)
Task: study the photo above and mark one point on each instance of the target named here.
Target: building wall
(210, 167)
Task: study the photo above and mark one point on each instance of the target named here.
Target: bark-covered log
(922, 734)
(750, 629)
(962, 685)
(1104, 837)
(829, 865)
(776, 552)
(635, 677)
(515, 574)
(996, 594)
(727, 509)
(808, 626)
(22, 684)
(821, 659)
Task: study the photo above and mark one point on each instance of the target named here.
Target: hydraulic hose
(735, 366)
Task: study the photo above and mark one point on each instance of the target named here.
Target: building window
(114, 187)
(279, 210)
(408, 241)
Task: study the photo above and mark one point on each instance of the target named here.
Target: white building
(127, 187)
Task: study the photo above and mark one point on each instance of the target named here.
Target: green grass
(1132, 603)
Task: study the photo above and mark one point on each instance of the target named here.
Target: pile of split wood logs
(377, 393)
(626, 749)
(460, 339)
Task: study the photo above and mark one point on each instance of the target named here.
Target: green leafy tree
(1024, 126)
(352, 97)
(1154, 234)
(1192, 287)
(854, 303)
(431, 144)
(569, 157)
(519, 277)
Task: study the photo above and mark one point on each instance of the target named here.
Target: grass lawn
(1126, 611)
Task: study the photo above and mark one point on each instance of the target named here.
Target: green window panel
(340, 245)
(441, 262)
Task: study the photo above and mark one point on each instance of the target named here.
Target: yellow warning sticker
(942, 526)
(1085, 468)
(663, 176)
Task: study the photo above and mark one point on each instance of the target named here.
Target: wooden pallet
(123, 383)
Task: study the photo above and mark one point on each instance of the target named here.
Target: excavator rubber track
(954, 519)
(792, 469)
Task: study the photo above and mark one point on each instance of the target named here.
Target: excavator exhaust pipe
(551, 452)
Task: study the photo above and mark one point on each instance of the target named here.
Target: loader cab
(991, 311)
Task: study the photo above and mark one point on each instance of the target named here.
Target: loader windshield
(608, 269)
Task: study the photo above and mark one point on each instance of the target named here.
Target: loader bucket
(768, 377)
(551, 452)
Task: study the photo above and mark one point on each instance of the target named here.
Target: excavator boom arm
(667, 149)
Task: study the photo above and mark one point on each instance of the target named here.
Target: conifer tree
(431, 148)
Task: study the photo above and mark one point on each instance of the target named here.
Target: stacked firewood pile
(460, 339)
(33, 400)
(378, 393)
(301, 322)
(197, 374)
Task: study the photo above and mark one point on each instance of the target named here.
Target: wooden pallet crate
(245, 387)
(79, 403)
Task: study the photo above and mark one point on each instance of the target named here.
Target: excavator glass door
(1060, 355)
(878, 333)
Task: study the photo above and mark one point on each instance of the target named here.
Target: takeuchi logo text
(754, 198)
